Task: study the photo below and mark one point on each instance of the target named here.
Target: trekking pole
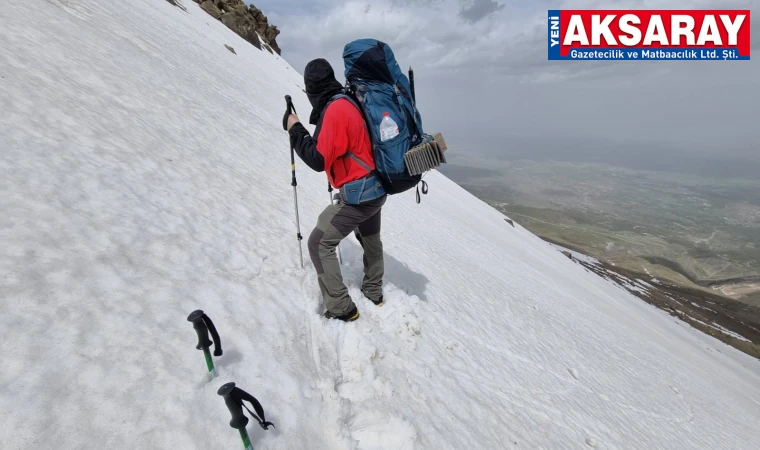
(233, 398)
(294, 183)
(411, 83)
(203, 324)
(332, 202)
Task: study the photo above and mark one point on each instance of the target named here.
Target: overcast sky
(482, 72)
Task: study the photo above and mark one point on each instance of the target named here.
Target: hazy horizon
(658, 156)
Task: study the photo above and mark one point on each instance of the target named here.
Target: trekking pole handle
(234, 405)
(196, 317)
(289, 102)
(290, 109)
(202, 325)
(234, 398)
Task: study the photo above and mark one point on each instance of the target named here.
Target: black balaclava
(321, 85)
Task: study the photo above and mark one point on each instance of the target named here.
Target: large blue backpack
(375, 79)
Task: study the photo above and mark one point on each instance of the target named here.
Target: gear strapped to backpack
(378, 88)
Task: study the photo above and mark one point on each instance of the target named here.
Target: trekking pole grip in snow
(203, 325)
(290, 110)
(233, 398)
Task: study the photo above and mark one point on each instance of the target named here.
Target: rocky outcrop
(239, 21)
(269, 32)
(247, 21)
(211, 9)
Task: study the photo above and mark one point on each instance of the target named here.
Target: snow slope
(144, 174)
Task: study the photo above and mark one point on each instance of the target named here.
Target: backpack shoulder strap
(349, 153)
(324, 110)
(338, 97)
(347, 97)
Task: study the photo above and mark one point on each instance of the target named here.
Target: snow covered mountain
(144, 174)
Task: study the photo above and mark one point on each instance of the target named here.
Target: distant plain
(691, 217)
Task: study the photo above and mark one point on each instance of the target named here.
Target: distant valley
(693, 229)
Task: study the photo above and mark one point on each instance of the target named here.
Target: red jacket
(340, 129)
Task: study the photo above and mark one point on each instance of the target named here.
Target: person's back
(342, 128)
(342, 148)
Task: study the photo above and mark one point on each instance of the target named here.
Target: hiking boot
(350, 316)
(378, 302)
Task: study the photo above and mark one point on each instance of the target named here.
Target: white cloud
(478, 9)
(434, 35)
(480, 78)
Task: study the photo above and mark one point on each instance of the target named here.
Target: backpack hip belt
(362, 190)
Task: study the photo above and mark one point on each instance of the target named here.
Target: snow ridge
(145, 174)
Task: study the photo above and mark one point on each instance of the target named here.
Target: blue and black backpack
(375, 80)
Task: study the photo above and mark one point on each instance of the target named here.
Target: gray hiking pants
(334, 224)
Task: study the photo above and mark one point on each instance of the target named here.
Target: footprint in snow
(591, 442)
(355, 383)
(410, 324)
(380, 430)
(358, 380)
(398, 314)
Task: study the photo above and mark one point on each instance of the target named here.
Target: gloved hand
(292, 119)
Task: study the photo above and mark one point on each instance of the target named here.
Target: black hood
(321, 85)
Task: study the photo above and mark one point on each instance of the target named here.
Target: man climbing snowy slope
(341, 147)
